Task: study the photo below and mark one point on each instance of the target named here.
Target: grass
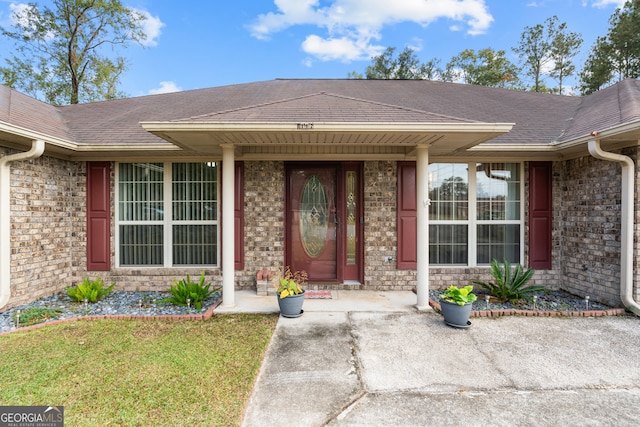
(138, 372)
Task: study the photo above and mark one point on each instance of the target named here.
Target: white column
(228, 235)
(422, 225)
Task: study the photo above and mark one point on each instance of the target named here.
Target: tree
(617, 55)
(565, 46)
(406, 66)
(487, 67)
(533, 51)
(62, 52)
(548, 50)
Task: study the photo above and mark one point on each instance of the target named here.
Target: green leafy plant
(291, 282)
(33, 315)
(90, 290)
(185, 292)
(460, 296)
(510, 284)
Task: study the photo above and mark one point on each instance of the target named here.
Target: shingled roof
(605, 109)
(539, 118)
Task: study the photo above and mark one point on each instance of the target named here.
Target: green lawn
(138, 373)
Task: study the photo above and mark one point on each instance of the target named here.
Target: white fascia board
(82, 148)
(99, 148)
(633, 126)
(517, 148)
(32, 135)
(329, 127)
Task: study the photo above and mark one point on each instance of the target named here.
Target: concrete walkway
(371, 359)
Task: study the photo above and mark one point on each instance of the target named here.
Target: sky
(210, 43)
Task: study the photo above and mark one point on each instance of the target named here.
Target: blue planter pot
(291, 306)
(456, 315)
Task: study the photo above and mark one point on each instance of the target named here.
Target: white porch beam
(422, 225)
(228, 236)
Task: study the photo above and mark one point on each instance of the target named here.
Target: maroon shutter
(540, 215)
(98, 216)
(407, 217)
(238, 214)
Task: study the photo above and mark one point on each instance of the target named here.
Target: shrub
(184, 289)
(510, 285)
(90, 290)
(33, 315)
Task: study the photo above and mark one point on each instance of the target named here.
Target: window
(498, 212)
(474, 217)
(167, 214)
(448, 214)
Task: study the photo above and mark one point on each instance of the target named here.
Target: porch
(247, 301)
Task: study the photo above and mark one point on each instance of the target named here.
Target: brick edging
(208, 314)
(538, 313)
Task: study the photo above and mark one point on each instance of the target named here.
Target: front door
(323, 221)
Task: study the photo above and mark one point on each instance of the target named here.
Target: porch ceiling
(442, 138)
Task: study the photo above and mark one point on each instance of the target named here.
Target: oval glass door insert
(314, 216)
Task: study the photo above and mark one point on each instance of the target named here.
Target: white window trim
(472, 222)
(167, 222)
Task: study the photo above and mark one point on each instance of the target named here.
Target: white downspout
(37, 148)
(626, 238)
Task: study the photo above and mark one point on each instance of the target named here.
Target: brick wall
(264, 219)
(47, 226)
(48, 238)
(590, 227)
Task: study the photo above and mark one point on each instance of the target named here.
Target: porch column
(228, 236)
(422, 225)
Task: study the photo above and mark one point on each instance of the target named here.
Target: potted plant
(455, 305)
(290, 292)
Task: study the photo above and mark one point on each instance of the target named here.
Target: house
(365, 184)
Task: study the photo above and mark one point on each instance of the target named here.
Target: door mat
(317, 294)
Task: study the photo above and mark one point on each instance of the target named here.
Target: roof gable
(326, 107)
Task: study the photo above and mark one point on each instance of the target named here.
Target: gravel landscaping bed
(147, 304)
(117, 303)
(545, 301)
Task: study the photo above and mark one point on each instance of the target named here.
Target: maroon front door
(325, 221)
(313, 221)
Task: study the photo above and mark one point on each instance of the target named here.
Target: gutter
(37, 148)
(626, 256)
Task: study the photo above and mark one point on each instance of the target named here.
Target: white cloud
(16, 12)
(165, 87)
(604, 3)
(19, 15)
(343, 48)
(352, 26)
(152, 26)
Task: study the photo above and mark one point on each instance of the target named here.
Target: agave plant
(186, 292)
(510, 284)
